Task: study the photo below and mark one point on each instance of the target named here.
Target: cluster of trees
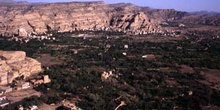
(140, 88)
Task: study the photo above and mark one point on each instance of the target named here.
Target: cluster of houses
(4, 101)
(42, 80)
(26, 39)
(106, 75)
(21, 86)
(4, 90)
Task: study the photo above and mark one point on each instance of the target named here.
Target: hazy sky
(184, 5)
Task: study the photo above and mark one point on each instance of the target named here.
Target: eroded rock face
(138, 21)
(14, 64)
(64, 17)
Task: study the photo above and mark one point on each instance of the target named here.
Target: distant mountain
(158, 14)
(7, 1)
(12, 2)
(164, 14)
(201, 17)
(204, 19)
(206, 12)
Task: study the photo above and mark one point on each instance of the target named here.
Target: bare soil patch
(211, 108)
(186, 69)
(167, 69)
(212, 78)
(47, 60)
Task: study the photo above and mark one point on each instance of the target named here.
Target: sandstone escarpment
(164, 14)
(14, 64)
(64, 17)
(139, 22)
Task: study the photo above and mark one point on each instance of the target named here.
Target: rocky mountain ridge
(26, 19)
(203, 19)
(64, 17)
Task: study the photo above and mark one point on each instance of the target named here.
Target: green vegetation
(140, 82)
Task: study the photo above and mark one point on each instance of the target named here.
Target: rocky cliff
(62, 17)
(14, 64)
(164, 14)
(24, 19)
(212, 19)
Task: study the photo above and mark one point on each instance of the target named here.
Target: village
(20, 90)
(15, 69)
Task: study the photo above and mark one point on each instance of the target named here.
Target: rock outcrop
(138, 21)
(14, 64)
(64, 17)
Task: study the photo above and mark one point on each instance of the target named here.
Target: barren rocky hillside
(204, 19)
(72, 16)
(212, 19)
(164, 14)
(65, 17)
